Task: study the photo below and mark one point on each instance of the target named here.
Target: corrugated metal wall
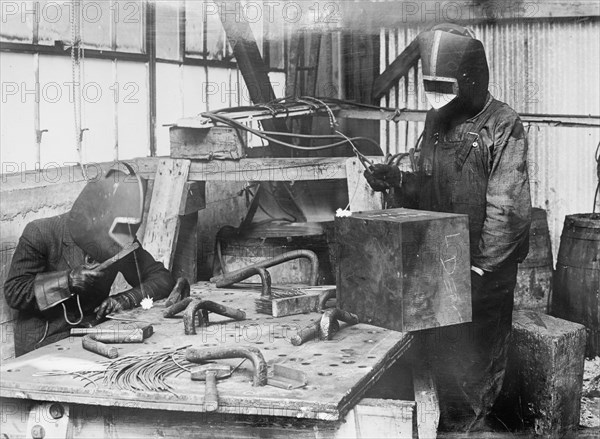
(536, 67)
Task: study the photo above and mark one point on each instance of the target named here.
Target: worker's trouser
(468, 360)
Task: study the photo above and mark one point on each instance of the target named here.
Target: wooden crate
(205, 143)
(404, 269)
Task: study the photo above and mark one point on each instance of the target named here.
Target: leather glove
(382, 177)
(81, 279)
(112, 304)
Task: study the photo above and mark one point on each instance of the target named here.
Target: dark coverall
(46, 247)
(478, 168)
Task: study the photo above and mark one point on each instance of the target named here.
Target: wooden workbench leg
(428, 406)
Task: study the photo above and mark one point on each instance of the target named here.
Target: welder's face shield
(440, 91)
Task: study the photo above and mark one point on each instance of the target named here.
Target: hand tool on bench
(202, 355)
(94, 339)
(192, 307)
(210, 373)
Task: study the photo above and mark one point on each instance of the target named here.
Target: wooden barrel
(534, 278)
(577, 277)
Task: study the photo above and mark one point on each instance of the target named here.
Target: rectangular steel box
(404, 269)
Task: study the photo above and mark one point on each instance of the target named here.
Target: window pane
(215, 36)
(194, 27)
(275, 35)
(129, 17)
(167, 30)
(55, 22)
(96, 24)
(17, 22)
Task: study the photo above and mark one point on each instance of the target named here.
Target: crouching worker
(55, 279)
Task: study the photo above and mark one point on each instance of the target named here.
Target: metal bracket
(286, 377)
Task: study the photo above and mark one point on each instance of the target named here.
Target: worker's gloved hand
(82, 279)
(382, 177)
(113, 304)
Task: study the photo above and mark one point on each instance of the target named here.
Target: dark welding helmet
(107, 213)
(455, 69)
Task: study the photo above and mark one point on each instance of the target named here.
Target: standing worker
(52, 280)
(473, 160)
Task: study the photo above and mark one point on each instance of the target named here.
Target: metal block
(404, 269)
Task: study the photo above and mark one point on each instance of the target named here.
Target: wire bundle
(145, 372)
(273, 137)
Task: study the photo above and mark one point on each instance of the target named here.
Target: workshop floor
(590, 398)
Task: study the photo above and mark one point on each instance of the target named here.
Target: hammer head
(221, 371)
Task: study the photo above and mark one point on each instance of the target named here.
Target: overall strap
(470, 139)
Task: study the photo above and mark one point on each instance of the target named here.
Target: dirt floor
(590, 397)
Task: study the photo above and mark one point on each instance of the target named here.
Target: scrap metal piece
(286, 377)
(191, 307)
(202, 355)
(180, 291)
(330, 293)
(236, 276)
(329, 321)
(307, 333)
(189, 317)
(177, 307)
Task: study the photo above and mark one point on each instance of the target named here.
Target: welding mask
(107, 213)
(455, 70)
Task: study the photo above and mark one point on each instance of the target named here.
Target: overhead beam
(251, 65)
(403, 115)
(396, 70)
(395, 14)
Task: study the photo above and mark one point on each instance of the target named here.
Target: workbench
(339, 373)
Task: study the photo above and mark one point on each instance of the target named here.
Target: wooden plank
(396, 70)
(162, 227)
(379, 418)
(186, 251)
(17, 178)
(207, 143)
(193, 197)
(339, 371)
(423, 12)
(270, 169)
(132, 422)
(428, 405)
(360, 195)
(403, 115)
(404, 269)
(296, 49)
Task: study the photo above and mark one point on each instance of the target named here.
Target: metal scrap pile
(143, 372)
